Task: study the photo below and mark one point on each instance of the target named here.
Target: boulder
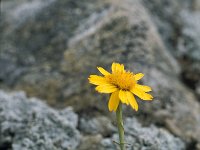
(29, 124)
(178, 24)
(189, 49)
(137, 138)
(53, 51)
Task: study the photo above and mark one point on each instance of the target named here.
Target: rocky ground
(29, 124)
(50, 47)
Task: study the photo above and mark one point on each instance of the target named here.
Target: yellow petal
(123, 97)
(143, 87)
(97, 80)
(141, 94)
(117, 68)
(138, 76)
(113, 67)
(113, 101)
(106, 88)
(120, 68)
(132, 101)
(103, 71)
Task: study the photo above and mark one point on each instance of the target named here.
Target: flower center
(124, 81)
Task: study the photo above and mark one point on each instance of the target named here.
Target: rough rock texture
(29, 124)
(98, 125)
(51, 53)
(166, 16)
(189, 49)
(137, 137)
(178, 23)
(32, 44)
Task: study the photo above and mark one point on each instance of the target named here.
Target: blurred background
(48, 48)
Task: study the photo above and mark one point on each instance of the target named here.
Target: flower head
(122, 85)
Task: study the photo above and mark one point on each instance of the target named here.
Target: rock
(29, 124)
(152, 137)
(35, 57)
(43, 65)
(196, 5)
(189, 42)
(91, 142)
(189, 49)
(166, 16)
(98, 125)
(145, 138)
(134, 41)
(178, 23)
(63, 43)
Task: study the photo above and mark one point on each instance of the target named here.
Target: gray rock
(35, 57)
(91, 142)
(189, 42)
(98, 125)
(23, 10)
(29, 124)
(140, 138)
(178, 23)
(166, 16)
(52, 54)
(151, 137)
(135, 41)
(189, 48)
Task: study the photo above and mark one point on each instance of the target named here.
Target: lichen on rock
(29, 124)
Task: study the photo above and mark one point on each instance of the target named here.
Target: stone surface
(166, 16)
(29, 124)
(133, 40)
(98, 125)
(189, 49)
(53, 49)
(137, 137)
(189, 42)
(178, 23)
(32, 62)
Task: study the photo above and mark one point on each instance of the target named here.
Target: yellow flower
(122, 85)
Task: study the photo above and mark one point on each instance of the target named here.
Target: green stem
(120, 126)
